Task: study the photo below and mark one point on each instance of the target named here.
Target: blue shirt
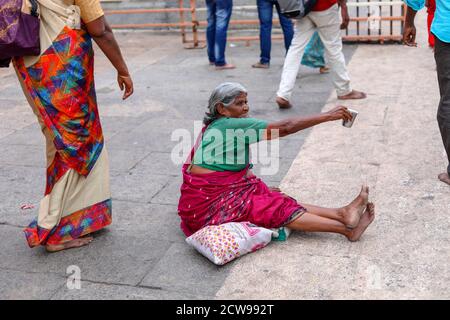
(441, 22)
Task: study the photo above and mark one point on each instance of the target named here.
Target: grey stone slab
(160, 163)
(28, 136)
(415, 278)
(318, 186)
(20, 186)
(362, 278)
(155, 221)
(274, 180)
(142, 105)
(183, 269)
(134, 186)
(29, 156)
(113, 257)
(113, 125)
(4, 132)
(289, 276)
(152, 135)
(14, 103)
(14, 94)
(18, 285)
(170, 194)
(289, 149)
(6, 74)
(100, 291)
(123, 160)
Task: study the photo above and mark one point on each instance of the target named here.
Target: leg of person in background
(224, 9)
(442, 56)
(287, 26)
(328, 24)
(314, 54)
(211, 30)
(265, 13)
(303, 31)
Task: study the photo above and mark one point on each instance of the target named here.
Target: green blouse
(225, 145)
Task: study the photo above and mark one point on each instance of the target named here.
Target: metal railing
(368, 21)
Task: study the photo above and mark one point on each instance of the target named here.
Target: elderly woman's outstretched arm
(295, 124)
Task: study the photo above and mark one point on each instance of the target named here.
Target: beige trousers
(327, 23)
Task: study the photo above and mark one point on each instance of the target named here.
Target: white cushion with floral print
(226, 242)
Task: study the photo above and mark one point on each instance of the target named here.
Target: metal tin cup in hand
(349, 123)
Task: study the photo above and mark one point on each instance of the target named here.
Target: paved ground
(394, 146)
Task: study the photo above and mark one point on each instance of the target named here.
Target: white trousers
(327, 23)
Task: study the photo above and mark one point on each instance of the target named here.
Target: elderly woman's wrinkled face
(238, 109)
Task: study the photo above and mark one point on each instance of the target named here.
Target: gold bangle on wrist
(124, 77)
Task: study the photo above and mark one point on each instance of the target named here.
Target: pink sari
(220, 197)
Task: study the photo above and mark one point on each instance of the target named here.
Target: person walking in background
(59, 85)
(441, 30)
(431, 8)
(265, 15)
(314, 52)
(324, 18)
(218, 16)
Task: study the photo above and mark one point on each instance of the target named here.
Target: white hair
(224, 93)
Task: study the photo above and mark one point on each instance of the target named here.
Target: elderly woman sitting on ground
(219, 187)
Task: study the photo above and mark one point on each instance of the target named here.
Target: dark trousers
(265, 14)
(442, 56)
(218, 16)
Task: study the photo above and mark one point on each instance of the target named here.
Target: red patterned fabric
(221, 197)
(71, 227)
(61, 85)
(229, 196)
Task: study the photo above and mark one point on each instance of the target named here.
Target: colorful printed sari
(59, 86)
(220, 197)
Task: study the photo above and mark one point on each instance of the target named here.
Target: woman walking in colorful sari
(219, 187)
(59, 85)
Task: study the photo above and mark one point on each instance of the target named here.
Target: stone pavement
(394, 146)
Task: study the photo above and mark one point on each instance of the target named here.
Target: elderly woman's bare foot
(364, 222)
(68, 245)
(444, 177)
(352, 213)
